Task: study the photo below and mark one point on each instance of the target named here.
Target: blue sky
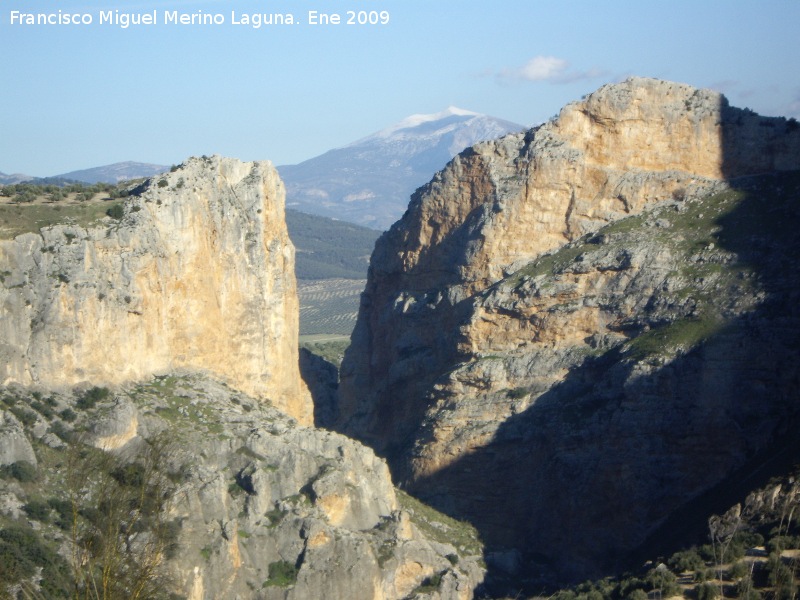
(81, 96)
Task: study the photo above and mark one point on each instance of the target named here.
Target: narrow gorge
(571, 336)
(152, 352)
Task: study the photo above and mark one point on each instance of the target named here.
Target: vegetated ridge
(178, 486)
(331, 262)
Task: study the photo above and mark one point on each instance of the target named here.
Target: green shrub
(780, 543)
(275, 515)
(738, 570)
(429, 584)
(62, 431)
(629, 585)
(749, 539)
(23, 555)
(686, 560)
(637, 594)
(68, 415)
(663, 580)
(779, 573)
(751, 594)
(707, 591)
(786, 591)
(38, 510)
(746, 591)
(116, 212)
(43, 409)
(735, 551)
(702, 575)
(90, 398)
(131, 475)
(25, 416)
(281, 574)
(22, 471)
(235, 490)
(63, 509)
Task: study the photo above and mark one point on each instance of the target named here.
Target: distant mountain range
(14, 178)
(369, 182)
(113, 173)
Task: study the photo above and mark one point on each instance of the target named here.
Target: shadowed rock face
(199, 273)
(498, 384)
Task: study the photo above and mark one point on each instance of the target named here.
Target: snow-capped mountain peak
(369, 181)
(416, 120)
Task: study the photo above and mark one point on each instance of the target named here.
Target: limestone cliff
(255, 506)
(508, 361)
(198, 273)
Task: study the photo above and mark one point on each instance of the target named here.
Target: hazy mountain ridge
(116, 172)
(113, 173)
(14, 178)
(369, 181)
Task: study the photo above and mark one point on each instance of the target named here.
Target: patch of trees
(753, 554)
(56, 192)
(114, 518)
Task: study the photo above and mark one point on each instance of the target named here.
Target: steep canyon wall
(495, 363)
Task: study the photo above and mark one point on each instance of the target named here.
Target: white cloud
(542, 68)
(548, 68)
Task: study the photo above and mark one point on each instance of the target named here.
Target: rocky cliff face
(594, 389)
(257, 507)
(198, 273)
(184, 304)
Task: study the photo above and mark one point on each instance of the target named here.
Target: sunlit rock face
(199, 273)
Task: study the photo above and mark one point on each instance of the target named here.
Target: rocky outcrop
(197, 273)
(14, 444)
(249, 490)
(513, 357)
